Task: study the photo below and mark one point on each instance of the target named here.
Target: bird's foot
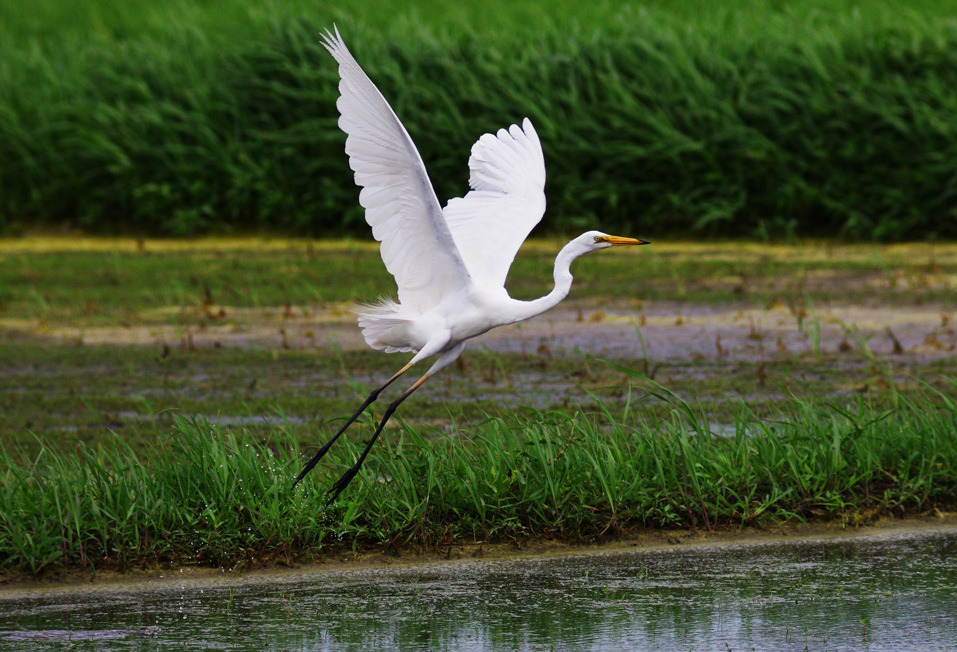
(342, 483)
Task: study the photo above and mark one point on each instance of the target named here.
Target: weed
(212, 495)
(748, 118)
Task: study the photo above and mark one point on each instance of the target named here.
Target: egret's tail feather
(388, 326)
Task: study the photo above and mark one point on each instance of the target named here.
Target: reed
(758, 119)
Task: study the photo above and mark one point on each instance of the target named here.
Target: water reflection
(878, 593)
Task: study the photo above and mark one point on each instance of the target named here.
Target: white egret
(449, 263)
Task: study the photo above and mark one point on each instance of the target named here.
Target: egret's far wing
(507, 200)
(400, 203)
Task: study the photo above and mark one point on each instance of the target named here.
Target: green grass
(759, 118)
(157, 398)
(216, 495)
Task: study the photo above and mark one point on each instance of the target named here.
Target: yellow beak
(618, 241)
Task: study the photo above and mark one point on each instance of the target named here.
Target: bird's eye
(598, 238)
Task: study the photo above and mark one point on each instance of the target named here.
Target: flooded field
(250, 329)
(885, 591)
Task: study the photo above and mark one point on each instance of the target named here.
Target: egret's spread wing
(400, 203)
(507, 199)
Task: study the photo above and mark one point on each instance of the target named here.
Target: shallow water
(882, 592)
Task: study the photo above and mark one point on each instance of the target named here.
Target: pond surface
(891, 591)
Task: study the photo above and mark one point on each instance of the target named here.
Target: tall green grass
(754, 118)
(214, 496)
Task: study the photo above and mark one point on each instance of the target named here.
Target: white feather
(401, 207)
(507, 200)
(388, 326)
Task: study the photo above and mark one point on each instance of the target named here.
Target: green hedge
(832, 125)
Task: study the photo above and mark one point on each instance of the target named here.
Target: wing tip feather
(332, 41)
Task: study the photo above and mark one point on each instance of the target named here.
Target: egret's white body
(450, 263)
(467, 312)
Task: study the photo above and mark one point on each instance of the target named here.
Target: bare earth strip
(671, 331)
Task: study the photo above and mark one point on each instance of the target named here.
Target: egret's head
(595, 240)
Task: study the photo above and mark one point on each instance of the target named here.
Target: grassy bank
(753, 118)
(217, 496)
(158, 397)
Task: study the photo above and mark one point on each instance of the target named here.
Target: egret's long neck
(563, 283)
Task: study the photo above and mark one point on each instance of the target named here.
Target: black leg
(325, 449)
(347, 477)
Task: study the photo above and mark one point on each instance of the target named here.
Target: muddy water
(881, 592)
